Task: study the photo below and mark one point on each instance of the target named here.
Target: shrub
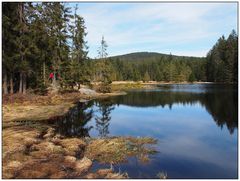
(104, 88)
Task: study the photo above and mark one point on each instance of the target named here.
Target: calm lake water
(195, 125)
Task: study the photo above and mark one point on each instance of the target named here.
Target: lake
(196, 126)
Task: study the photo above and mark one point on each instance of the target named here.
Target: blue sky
(189, 29)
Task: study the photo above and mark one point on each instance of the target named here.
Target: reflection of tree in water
(224, 108)
(74, 123)
(151, 99)
(222, 104)
(103, 119)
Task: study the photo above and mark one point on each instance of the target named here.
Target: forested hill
(148, 55)
(158, 67)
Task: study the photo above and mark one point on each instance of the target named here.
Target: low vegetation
(118, 149)
(31, 153)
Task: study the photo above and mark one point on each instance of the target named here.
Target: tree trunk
(11, 84)
(5, 87)
(24, 83)
(20, 83)
(44, 73)
(21, 19)
(54, 78)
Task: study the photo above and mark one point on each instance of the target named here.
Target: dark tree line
(40, 39)
(222, 60)
(160, 68)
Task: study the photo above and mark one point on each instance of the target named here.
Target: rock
(83, 165)
(87, 91)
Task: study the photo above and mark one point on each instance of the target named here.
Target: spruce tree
(146, 77)
(103, 67)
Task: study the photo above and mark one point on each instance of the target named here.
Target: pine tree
(146, 77)
(78, 68)
(103, 68)
(24, 44)
(231, 57)
(102, 51)
(36, 42)
(9, 44)
(222, 60)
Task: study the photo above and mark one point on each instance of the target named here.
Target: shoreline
(163, 83)
(45, 107)
(26, 143)
(35, 107)
(34, 150)
(32, 143)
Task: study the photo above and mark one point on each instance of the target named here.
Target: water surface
(195, 125)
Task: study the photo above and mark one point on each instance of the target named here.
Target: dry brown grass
(16, 139)
(52, 99)
(26, 155)
(36, 108)
(73, 146)
(116, 150)
(29, 153)
(32, 113)
(107, 174)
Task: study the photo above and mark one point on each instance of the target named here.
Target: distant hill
(148, 55)
(157, 66)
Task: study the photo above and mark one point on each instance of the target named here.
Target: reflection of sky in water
(190, 142)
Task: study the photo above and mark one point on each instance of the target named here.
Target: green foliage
(159, 67)
(104, 88)
(103, 70)
(43, 38)
(146, 77)
(192, 78)
(222, 60)
(41, 90)
(102, 50)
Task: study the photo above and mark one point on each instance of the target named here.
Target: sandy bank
(33, 107)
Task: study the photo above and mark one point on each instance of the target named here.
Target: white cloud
(136, 24)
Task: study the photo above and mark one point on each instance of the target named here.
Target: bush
(104, 88)
(66, 90)
(41, 90)
(191, 78)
